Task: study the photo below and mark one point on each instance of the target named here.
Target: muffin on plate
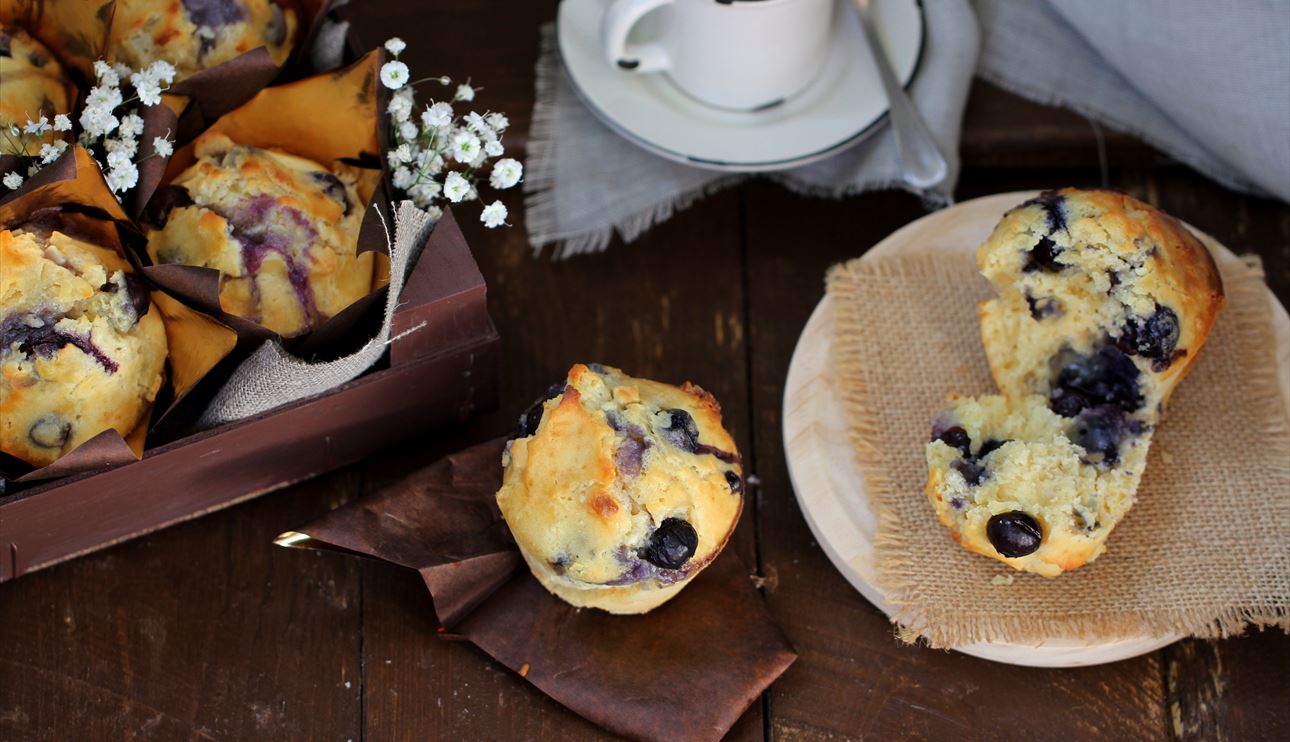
(283, 231)
(80, 350)
(1102, 299)
(194, 35)
(619, 490)
(1104, 304)
(32, 84)
(1017, 482)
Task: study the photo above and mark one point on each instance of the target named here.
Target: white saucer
(839, 109)
(829, 483)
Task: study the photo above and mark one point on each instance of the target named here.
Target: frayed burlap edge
(940, 625)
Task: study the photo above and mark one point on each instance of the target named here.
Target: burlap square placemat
(1204, 552)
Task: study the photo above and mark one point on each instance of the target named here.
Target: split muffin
(620, 490)
(194, 35)
(1103, 306)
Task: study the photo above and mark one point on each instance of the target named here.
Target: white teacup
(736, 54)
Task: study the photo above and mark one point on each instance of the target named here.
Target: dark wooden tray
(443, 372)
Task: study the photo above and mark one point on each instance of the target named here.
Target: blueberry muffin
(194, 35)
(281, 229)
(1017, 482)
(1102, 299)
(619, 490)
(80, 350)
(32, 84)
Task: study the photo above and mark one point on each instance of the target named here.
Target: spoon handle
(921, 160)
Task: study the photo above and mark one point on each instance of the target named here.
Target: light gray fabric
(272, 377)
(584, 182)
(1206, 82)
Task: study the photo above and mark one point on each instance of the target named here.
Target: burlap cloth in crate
(1204, 552)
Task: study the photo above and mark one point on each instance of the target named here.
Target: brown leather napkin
(686, 670)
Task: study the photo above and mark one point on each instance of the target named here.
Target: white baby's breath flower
(62, 122)
(493, 148)
(122, 71)
(394, 75)
(400, 107)
(408, 131)
(49, 153)
(395, 46)
(424, 193)
(37, 127)
(131, 125)
(400, 155)
(464, 92)
(477, 124)
(12, 181)
(162, 146)
(434, 212)
(438, 114)
(105, 74)
(430, 162)
(493, 215)
(149, 92)
(465, 146)
(103, 97)
(506, 173)
(123, 178)
(33, 169)
(117, 159)
(498, 121)
(403, 178)
(97, 122)
(128, 147)
(456, 188)
(161, 72)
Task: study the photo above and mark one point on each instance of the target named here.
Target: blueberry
(532, 417)
(1105, 377)
(973, 472)
(1043, 307)
(1067, 403)
(276, 30)
(1100, 431)
(1014, 534)
(1053, 204)
(1043, 256)
(735, 481)
(1154, 337)
(989, 447)
(6, 43)
(681, 431)
(50, 431)
(671, 545)
(956, 437)
(214, 13)
(333, 187)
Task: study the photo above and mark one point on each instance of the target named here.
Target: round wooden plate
(826, 477)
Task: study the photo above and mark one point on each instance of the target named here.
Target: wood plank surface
(207, 631)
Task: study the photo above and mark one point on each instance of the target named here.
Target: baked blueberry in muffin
(281, 229)
(32, 84)
(1103, 305)
(81, 351)
(619, 490)
(194, 35)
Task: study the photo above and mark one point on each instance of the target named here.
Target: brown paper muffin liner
(75, 185)
(1204, 552)
(686, 670)
(330, 118)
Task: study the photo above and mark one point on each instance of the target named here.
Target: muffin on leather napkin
(1104, 304)
(80, 350)
(282, 230)
(194, 35)
(32, 84)
(619, 490)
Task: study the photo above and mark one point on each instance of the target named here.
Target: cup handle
(614, 27)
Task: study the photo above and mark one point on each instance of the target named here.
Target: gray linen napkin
(584, 182)
(1206, 82)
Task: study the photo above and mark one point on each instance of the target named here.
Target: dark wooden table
(208, 631)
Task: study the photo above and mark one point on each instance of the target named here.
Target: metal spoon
(920, 159)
